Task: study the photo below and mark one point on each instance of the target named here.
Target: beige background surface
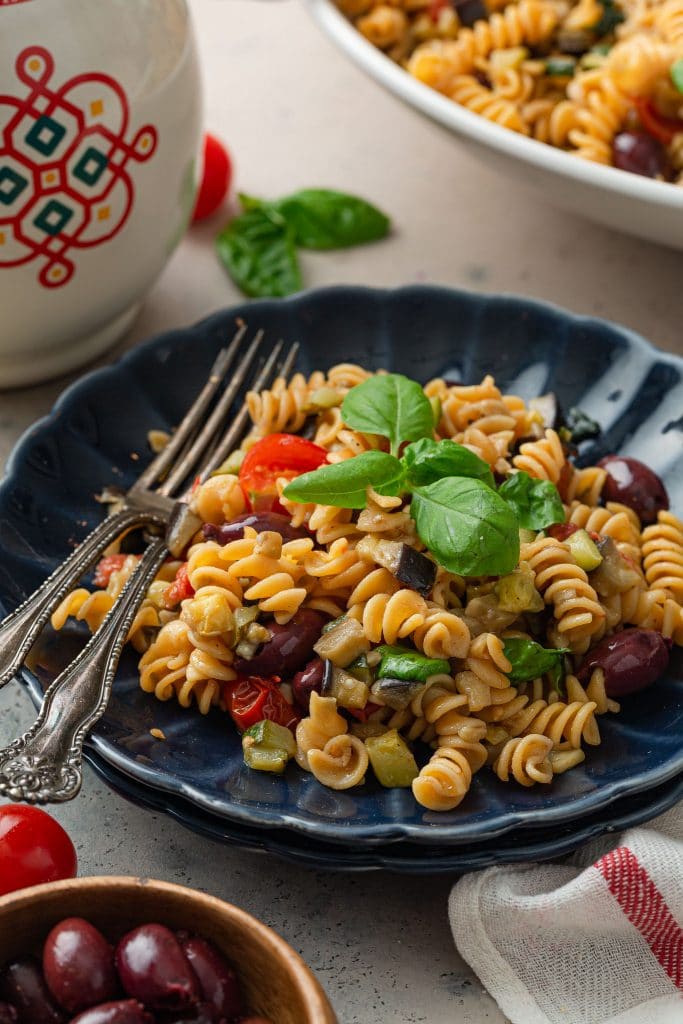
(295, 114)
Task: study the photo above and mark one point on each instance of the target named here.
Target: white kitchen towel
(597, 939)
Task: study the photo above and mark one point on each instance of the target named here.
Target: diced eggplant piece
(584, 550)
(343, 644)
(409, 566)
(259, 521)
(469, 11)
(348, 691)
(397, 693)
(364, 730)
(362, 670)
(615, 574)
(392, 760)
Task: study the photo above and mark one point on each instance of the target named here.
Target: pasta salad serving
(602, 79)
(411, 582)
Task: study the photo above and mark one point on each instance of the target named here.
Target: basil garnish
(402, 663)
(530, 661)
(467, 526)
(343, 484)
(536, 503)
(257, 249)
(324, 219)
(391, 405)
(427, 461)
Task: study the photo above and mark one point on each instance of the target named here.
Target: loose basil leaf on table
(258, 251)
(325, 219)
(467, 526)
(530, 661)
(536, 503)
(343, 484)
(391, 405)
(401, 663)
(427, 461)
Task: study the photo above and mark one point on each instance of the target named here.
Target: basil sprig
(258, 248)
(537, 503)
(530, 661)
(391, 405)
(344, 484)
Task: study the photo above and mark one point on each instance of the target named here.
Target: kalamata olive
(8, 1015)
(217, 980)
(634, 484)
(78, 964)
(289, 649)
(639, 153)
(469, 11)
(307, 681)
(202, 1013)
(122, 1011)
(23, 986)
(259, 521)
(631, 660)
(153, 968)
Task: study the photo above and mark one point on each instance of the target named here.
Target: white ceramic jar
(99, 136)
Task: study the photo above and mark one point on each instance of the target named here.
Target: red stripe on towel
(646, 909)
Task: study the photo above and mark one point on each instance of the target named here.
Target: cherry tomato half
(252, 699)
(215, 183)
(655, 124)
(276, 456)
(34, 848)
(106, 567)
(180, 588)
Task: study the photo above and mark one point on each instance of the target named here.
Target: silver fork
(45, 764)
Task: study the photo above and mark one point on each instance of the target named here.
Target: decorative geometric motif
(64, 152)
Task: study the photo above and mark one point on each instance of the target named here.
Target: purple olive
(202, 1013)
(22, 984)
(640, 153)
(122, 1011)
(259, 521)
(153, 968)
(217, 980)
(631, 660)
(8, 1015)
(78, 964)
(289, 649)
(308, 681)
(469, 11)
(634, 484)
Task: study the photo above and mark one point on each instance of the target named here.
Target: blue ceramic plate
(405, 857)
(96, 436)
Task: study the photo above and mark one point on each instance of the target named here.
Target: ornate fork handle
(20, 630)
(45, 764)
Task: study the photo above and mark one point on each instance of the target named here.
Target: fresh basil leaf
(321, 218)
(257, 249)
(403, 663)
(537, 503)
(391, 405)
(530, 661)
(343, 484)
(428, 460)
(467, 526)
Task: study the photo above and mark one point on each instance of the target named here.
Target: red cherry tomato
(215, 183)
(252, 699)
(34, 848)
(106, 567)
(275, 456)
(660, 127)
(180, 589)
(363, 714)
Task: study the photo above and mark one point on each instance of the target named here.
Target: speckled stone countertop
(296, 114)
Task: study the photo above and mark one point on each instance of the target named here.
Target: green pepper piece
(403, 663)
(392, 760)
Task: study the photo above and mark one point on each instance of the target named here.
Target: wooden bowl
(277, 983)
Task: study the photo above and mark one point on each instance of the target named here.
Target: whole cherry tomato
(252, 699)
(34, 848)
(215, 183)
(276, 456)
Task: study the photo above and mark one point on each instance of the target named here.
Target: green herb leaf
(560, 67)
(343, 484)
(530, 661)
(257, 249)
(403, 663)
(427, 461)
(324, 219)
(580, 424)
(467, 526)
(391, 405)
(536, 502)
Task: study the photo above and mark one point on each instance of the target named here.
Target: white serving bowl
(639, 206)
